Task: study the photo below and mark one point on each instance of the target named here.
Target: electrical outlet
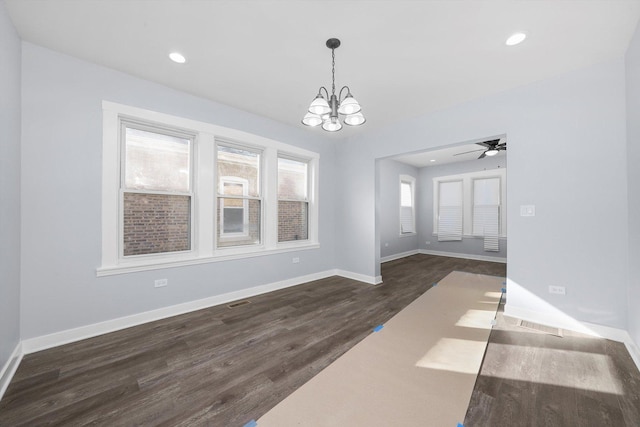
(160, 283)
(295, 260)
(558, 290)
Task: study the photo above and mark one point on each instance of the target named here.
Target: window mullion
(204, 187)
(270, 189)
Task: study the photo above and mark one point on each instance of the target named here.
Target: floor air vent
(540, 328)
(238, 303)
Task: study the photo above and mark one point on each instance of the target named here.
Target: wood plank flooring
(533, 379)
(225, 367)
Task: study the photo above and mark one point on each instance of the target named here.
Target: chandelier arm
(340, 99)
(325, 91)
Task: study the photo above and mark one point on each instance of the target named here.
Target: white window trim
(467, 198)
(407, 179)
(204, 212)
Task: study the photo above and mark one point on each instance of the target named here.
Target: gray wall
(576, 190)
(9, 187)
(468, 245)
(391, 243)
(633, 168)
(61, 198)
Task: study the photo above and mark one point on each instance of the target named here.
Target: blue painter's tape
(504, 290)
(251, 423)
(378, 328)
(504, 283)
(460, 425)
(435, 284)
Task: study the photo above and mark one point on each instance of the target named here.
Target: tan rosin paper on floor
(418, 369)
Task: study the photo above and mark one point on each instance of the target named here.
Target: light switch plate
(527, 210)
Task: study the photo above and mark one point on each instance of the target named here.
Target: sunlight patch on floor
(480, 319)
(454, 355)
(551, 366)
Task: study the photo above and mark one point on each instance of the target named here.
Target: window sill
(408, 234)
(472, 236)
(221, 255)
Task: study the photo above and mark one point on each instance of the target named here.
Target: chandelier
(325, 110)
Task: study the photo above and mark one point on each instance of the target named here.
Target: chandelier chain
(333, 71)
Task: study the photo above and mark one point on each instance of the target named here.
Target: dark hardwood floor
(225, 367)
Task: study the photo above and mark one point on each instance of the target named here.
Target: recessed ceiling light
(515, 39)
(432, 160)
(177, 57)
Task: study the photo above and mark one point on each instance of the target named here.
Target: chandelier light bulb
(491, 152)
(319, 106)
(354, 119)
(349, 105)
(311, 119)
(332, 124)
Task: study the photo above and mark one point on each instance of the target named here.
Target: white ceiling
(400, 58)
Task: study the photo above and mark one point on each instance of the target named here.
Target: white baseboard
(634, 351)
(564, 322)
(55, 339)
(372, 280)
(464, 256)
(398, 256)
(10, 368)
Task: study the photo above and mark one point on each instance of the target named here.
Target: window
(486, 206)
(239, 202)
(449, 211)
(407, 205)
(293, 203)
(479, 197)
(182, 192)
(155, 191)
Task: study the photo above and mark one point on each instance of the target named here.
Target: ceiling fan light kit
(326, 109)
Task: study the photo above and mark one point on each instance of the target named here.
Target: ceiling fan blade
(467, 152)
(483, 155)
(489, 144)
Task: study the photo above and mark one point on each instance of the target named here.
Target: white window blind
(450, 211)
(486, 211)
(407, 219)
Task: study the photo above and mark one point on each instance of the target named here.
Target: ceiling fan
(491, 148)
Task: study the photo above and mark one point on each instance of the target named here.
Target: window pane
(155, 223)
(293, 220)
(486, 191)
(155, 161)
(450, 211)
(238, 222)
(405, 194)
(233, 220)
(238, 165)
(451, 193)
(292, 179)
(486, 207)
